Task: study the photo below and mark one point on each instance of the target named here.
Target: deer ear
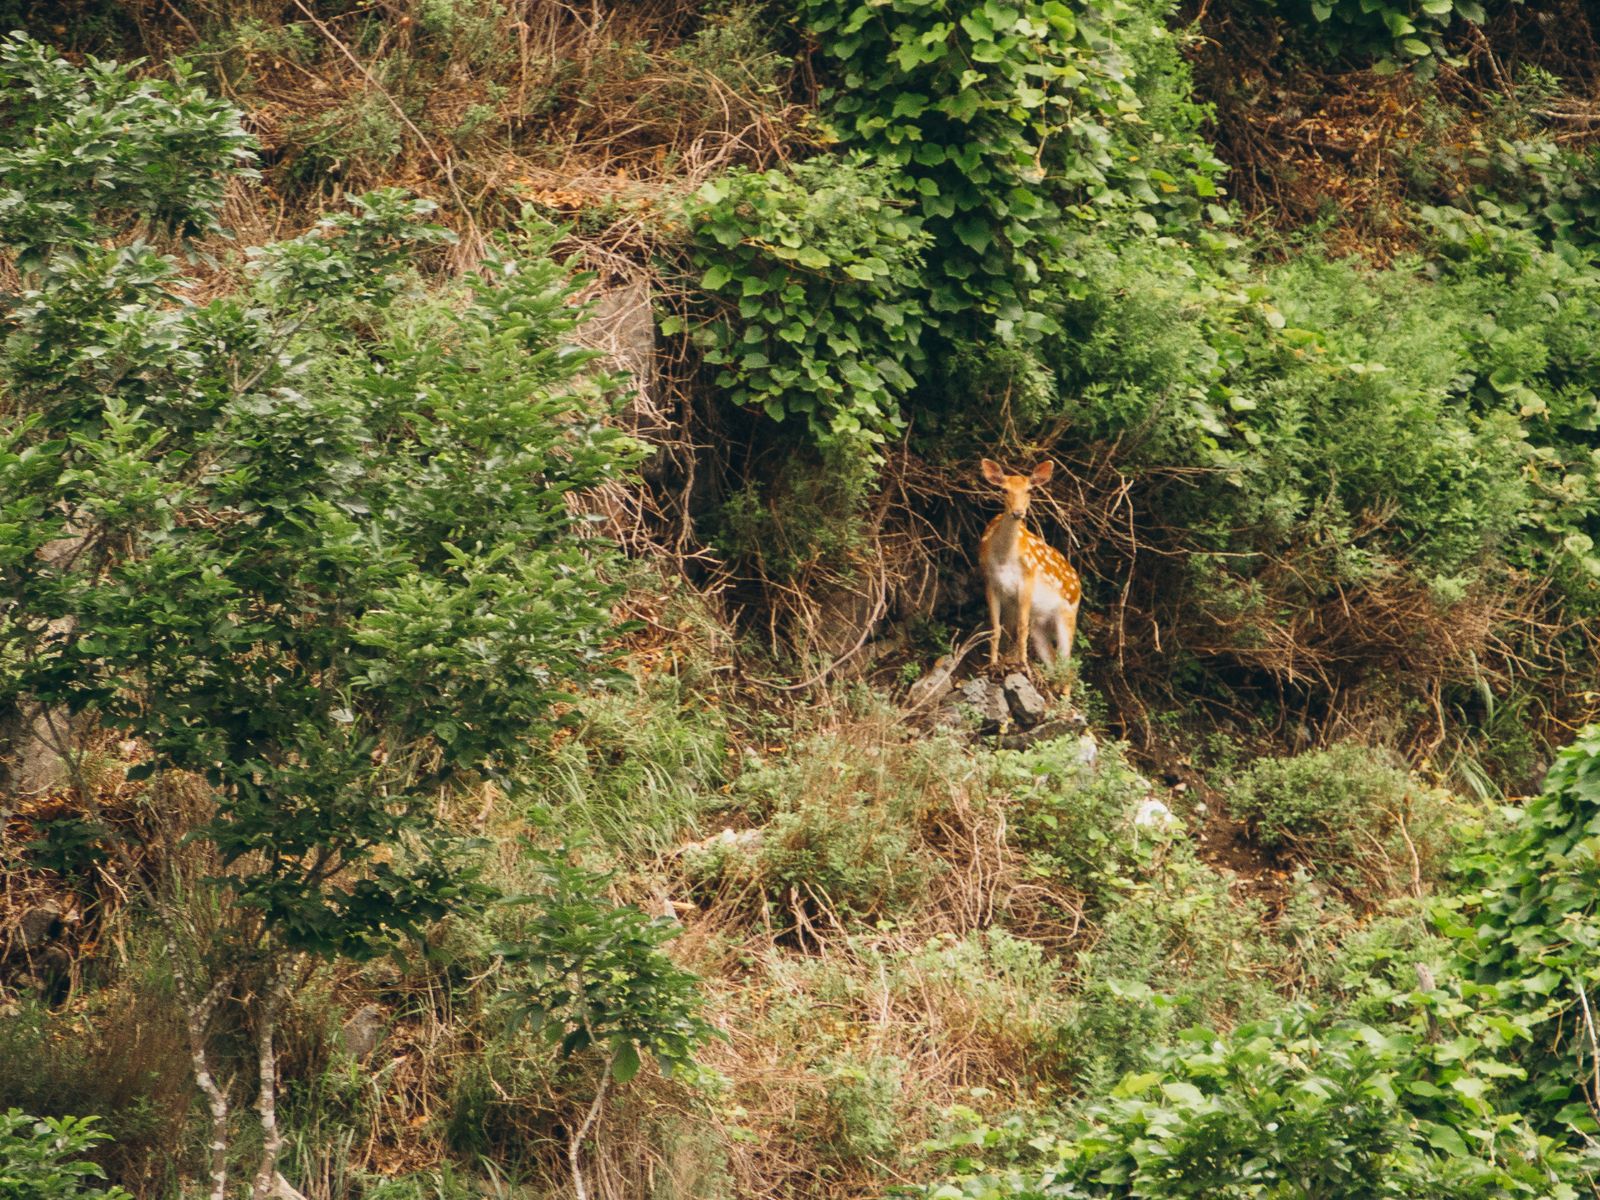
(992, 472)
(1042, 473)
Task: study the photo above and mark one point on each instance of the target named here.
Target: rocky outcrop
(1011, 711)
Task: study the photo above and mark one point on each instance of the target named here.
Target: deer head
(1017, 488)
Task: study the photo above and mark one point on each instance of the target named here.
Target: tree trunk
(267, 1177)
(580, 1186)
(197, 1012)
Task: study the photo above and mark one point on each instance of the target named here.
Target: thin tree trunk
(197, 1012)
(267, 1177)
(575, 1143)
(217, 1101)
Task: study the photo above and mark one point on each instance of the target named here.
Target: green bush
(1388, 33)
(86, 153)
(37, 1163)
(1001, 120)
(858, 1112)
(1350, 812)
(814, 280)
(1530, 930)
(1296, 1106)
(1072, 819)
(593, 974)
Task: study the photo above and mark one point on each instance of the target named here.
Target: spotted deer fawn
(1027, 581)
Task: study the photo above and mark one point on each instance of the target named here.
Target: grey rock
(987, 701)
(1024, 700)
(933, 686)
(622, 325)
(1058, 727)
(30, 763)
(1044, 732)
(40, 925)
(361, 1034)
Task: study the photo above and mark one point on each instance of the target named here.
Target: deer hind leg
(1066, 626)
(994, 624)
(1041, 642)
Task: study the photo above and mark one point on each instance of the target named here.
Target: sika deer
(1028, 582)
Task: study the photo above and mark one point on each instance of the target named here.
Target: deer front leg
(1024, 620)
(994, 623)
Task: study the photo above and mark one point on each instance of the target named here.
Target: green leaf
(626, 1063)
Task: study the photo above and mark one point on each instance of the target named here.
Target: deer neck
(1005, 538)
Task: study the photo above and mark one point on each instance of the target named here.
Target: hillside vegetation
(489, 507)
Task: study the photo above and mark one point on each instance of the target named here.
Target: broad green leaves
(814, 279)
(1532, 933)
(1301, 1105)
(593, 974)
(1395, 33)
(85, 153)
(1003, 120)
(38, 1159)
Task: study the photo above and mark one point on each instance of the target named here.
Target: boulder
(1048, 731)
(1024, 700)
(40, 925)
(30, 763)
(362, 1033)
(986, 701)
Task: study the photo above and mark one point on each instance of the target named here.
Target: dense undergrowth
(405, 839)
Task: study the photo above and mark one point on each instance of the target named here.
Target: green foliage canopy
(310, 542)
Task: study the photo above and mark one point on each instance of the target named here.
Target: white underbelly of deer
(1048, 604)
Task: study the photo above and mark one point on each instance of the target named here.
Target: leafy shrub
(1175, 947)
(857, 1113)
(1348, 810)
(1073, 819)
(996, 116)
(1394, 33)
(36, 1162)
(1531, 930)
(1298, 1105)
(594, 974)
(814, 275)
(735, 45)
(348, 144)
(87, 152)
